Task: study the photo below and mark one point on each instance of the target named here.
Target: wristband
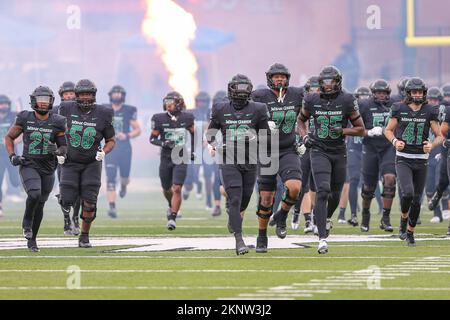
(394, 141)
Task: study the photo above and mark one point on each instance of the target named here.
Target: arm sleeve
(108, 131)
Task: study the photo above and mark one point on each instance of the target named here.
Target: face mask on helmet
(239, 94)
(278, 77)
(417, 96)
(85, 100)
(41, 100)
(4, 108)
(116, 98)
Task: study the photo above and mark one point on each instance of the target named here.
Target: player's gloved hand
(211, 150)
(61, 159)
(438, 157)
(16, 160)
(427, 147)
(169, 144)
(100, 155)
(375, 132)
(301, 149)
(336, 131)
(307, 141)
(272, 125)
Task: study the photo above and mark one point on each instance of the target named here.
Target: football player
(305, 201)
(331, 110)
(71, 226)
(401, 95)
(126, 127)
(44, 144)
(239, 121)
(284, 103)
(7, 118)
(169, 131)
(434, 97)
(378, 156)
(408, 131)
(443, 183)
(88, 125)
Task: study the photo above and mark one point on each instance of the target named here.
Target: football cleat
(434, 201)
(402, 229)
(83, 241)
(295, 221)
(342, 221)
(185, 194)
(316, 230)
(365, 223)
(217, 211)
(32, 245)
(385, 224)
(353, 221)
(75, 226)
(241, 248)
(67, 227)
(171, 225)
(27, 233)
(436, 219)
(323, 246)
(410, 241)
(199, 196)
(261, 244)
(309, 227)
(112, 213)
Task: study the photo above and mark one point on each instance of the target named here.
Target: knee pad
(88, 208)
(368, 193)
(322, 195)
(388, 192)
(110, 186)
(264, 216)
(287, 199)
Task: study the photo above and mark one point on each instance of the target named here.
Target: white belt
(424, 156)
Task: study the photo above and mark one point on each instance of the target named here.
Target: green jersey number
(289, 117)
(238, 132)
(178, 136)
(410, 135)
(37, 138)
(84, 137)
(324, 123)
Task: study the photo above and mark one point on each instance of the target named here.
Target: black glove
(169, 144)
(16, 160)
(336, 131)
(307, 141)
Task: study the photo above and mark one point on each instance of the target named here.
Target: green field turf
(397, 272)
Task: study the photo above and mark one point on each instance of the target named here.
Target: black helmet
(380, 85)
(44, 94)
(401, 85)
(67, 86)
(274, 69)
(446, 90)
(330, 73)
(362, 92)
(177, 98)
(435, 93)
(202, 100)
(312, 82)
(5, 100)
(416, 84)
(220, 96)
(239, 90)
(117, 89)
(85, 86)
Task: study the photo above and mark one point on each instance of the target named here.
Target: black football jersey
(239, 125)
(122, 121)
(413, 126)
(85, 131)
(327, 113)
(375, 114)
(284, 113)
(175, 130)
(39, 139)
(5, 124)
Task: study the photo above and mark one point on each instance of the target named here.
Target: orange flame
(173, 29)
